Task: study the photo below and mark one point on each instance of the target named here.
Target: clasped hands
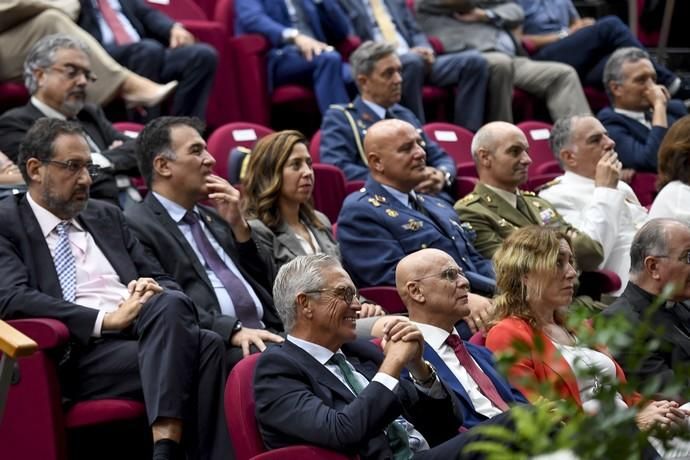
(140, 291)
(403, 345)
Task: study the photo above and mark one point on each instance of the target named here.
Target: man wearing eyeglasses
(57, 72)
(434, 290)
(659, 269)
(134, 334)
(323, 387)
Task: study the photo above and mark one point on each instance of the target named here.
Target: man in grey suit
(487, 26)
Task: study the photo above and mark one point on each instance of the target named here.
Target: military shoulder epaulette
(467, 199)
(243, 149)
(527, 193)
(550, 183)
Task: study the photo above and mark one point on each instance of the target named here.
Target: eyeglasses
(683, 258)
(450, 274)
(348, 294)
(72, 72)
(75, 166)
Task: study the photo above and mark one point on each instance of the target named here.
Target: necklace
(581, 354)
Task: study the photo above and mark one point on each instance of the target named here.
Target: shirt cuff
(386, 380)
(98, 325)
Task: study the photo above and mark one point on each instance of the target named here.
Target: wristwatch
(236, 328)
(427, 381)
(289, 35)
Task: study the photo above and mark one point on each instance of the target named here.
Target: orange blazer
(541, 362)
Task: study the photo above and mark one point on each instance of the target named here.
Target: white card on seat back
(540, 134)
(160, 2)
(241, 135)
(446, 136)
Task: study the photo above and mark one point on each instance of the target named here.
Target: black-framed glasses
(683, 258)
(72, 72)
(75, 166)
(346, 294)
(450, 274)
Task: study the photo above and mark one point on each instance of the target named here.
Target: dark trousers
(193, 66)
(167, 361)
(588, 49)
(325, 73)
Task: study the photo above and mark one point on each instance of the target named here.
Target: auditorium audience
(434, 290)
(209, 251)
(300, 35)
(590, 194)
(377, 70)
(487, 26)
(321, 387)
(535, 277)
(466, 72)
(386, 220)
(24, 22)
(641, 111)
(151, 44)
(658, 267)
(673, 180)
(57, 73)
(134, 334)
(497, 207)
(555, 30)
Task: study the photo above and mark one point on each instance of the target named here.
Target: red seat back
(537, 134)
(644, 185)
(315, 146)
(239, 409)
(386, 296)
(230, 136)
(454, 139)
(329, 190)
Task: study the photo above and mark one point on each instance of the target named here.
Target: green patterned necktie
(396, 434)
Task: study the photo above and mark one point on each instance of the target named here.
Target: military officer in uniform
(377, 70)
(591, 195)
(496, 206)
(387, 219)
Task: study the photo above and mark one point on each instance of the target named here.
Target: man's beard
(64, 209)
(72, 106)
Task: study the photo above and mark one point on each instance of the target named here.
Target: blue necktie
(65, 265)
(245, 309)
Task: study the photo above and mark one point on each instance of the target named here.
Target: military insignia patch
(380, 199)
(536, 204)
(413, 225)
(374, 203)
(392, 212)
(547, 215)
(466, 226)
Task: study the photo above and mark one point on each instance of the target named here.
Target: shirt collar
(400, 196)
(574, 177)
(510, 197)
(634, 114)
(46, 219)
(319, 353)
(47, 110)
(174, 210)
(433, 335)
(377, 109)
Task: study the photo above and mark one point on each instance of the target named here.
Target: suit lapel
(445, 374)
(501, 207)
(288, 240)
(366, 115)
(553, 359)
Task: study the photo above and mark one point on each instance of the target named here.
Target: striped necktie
(65, 264)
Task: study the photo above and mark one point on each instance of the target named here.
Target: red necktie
(485, 384)
(122, 37)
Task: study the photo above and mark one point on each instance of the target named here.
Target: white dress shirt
(98, 284)
(635, 115)
(672, 201)
(176, 213)
(436, 338)
(607, 215)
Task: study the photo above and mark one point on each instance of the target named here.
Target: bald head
(425, 283)
(395, 155)
(500, 152)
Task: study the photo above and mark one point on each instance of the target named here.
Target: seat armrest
(13, 343)
(47, 333)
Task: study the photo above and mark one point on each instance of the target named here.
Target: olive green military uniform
(493, 219)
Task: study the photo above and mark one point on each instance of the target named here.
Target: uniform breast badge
(373, 202)
(392, 212)
(547, 215)
(413, 225)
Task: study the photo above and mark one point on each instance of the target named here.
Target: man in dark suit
(378, 73)
(658, 260)
(319, 389)
(641, 110)
(134, 334)
(465, 71)
(151, 44)
(57, 73)
(434, 290)
(178, 170)
(301, 33)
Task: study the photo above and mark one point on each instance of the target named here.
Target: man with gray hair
(641, 110)
(322, 387)
(57, 72)
(590, 194)
(377, 71)
(496, 206)
(660, 266)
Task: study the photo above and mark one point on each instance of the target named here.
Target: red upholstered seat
(230, 136)
(12, 94)
(386, 296)
(537, 133)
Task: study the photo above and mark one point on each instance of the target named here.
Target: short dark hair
(650, 240)
(154, 140)
(39, 140)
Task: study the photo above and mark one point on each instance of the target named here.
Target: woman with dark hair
(673, 182)
(535, 280)
(277, 190)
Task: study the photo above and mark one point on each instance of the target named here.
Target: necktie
(241, 300)
(522, 207)
(388, 115)
(384, 22)
(485, 384)
(416, 205)
(121, 35)
(65, 265)
(396, 434)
